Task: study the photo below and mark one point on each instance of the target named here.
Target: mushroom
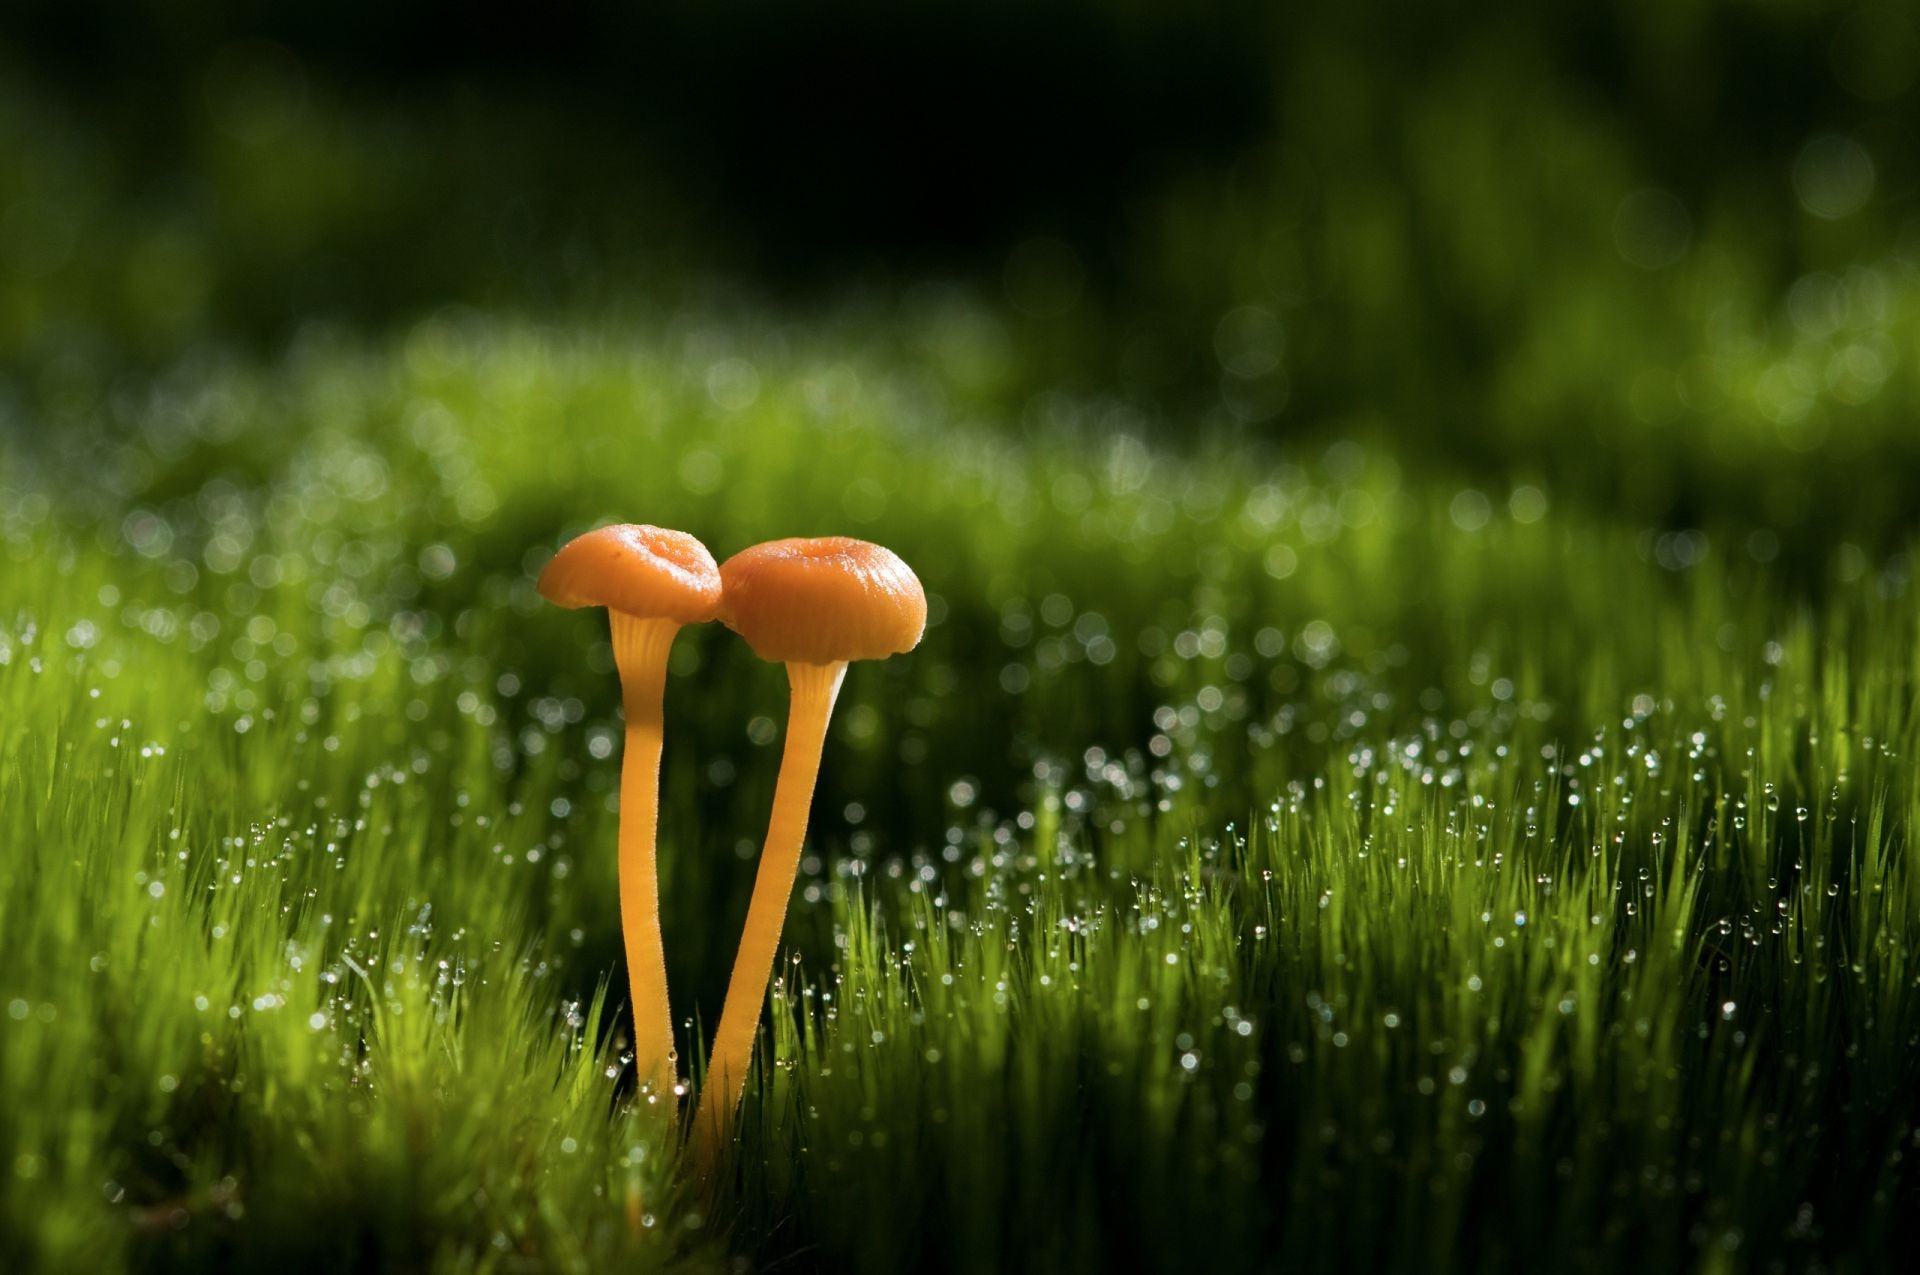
(651, 581)
(813, 605)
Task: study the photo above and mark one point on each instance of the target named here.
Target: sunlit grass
(1301, 857)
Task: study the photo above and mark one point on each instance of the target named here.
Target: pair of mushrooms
(811, 604)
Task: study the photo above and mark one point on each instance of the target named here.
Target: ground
(1317, 853)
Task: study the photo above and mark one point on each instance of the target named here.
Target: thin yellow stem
(640, 650)
(814, 688)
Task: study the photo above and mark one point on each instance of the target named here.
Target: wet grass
(1294, 861)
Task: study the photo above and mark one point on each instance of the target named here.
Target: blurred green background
(1661, 253)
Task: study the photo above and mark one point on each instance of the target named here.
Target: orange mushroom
(651, 581)
(813, 605)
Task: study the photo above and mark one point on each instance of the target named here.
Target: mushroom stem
(814, 687)
(640, 649)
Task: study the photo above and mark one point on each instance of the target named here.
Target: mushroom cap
(818, 601)
(649, 572)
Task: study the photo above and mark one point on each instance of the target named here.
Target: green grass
(1298, 860)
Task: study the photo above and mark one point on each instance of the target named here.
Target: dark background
(1502, 237)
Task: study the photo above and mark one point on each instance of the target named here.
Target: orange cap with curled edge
(822, 601)
(650, 572)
